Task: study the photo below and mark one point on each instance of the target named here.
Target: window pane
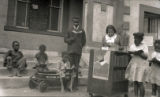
(21, 14)
(56, 3)
(38, 18)
(54, 19)
(54, 15)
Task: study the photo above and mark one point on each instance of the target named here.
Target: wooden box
(107, 79)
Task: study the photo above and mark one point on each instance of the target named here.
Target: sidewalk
(82, 92)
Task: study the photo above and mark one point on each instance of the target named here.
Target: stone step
(4, 72)
(29, 72)
(22, 82)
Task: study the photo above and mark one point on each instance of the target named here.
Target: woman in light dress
(137, 69)
(108, 43)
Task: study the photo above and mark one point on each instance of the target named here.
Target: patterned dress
(138, 68)
(153, 75)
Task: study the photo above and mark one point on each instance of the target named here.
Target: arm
(83, 38)
(142, 54)
(117, 40)
(5, 58)
(20, 55)
(46, 59)
(68, 38)
(104, 44)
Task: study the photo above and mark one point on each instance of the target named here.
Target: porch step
(22, 82)
(29, 72)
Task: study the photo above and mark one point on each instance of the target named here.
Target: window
(152, 24)
(36, 15)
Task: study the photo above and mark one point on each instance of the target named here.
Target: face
(65, 59)
(137, 41)
(42, 49)
(76, 24)
(110, 32)
(157, 47)
(16, 46)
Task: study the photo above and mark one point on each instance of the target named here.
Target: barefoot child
(42, 59)
(67, 73)
(136, 71)
(154, 77)
(14, 60)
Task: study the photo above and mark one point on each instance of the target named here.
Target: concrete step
(22, 82)
(29, 72)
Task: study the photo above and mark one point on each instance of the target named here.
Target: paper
(148, 40)
(101, 68)
(105, 48)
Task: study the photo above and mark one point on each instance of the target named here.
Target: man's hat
(75, 19)
(138, 34)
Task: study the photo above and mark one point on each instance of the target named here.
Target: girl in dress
(110, 37)
(136, 71)
(67, 73)
(154, 76)
(108, 42)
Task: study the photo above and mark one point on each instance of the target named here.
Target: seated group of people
(16, 64)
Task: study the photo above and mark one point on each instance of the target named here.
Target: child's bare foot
(70, 89)
(62, 90)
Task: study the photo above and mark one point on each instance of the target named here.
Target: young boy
(14, 60)
(42, 59)
(67, 73)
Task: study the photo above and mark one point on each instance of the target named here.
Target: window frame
(11, 20)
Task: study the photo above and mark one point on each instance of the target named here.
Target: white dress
(111, 41)
(154, 76)
(137, 69)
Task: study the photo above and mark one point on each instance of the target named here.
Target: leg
(72, 61)
(22, 64)
(158, 88)
(136, 88)
(62, 84)
(71, 83)
(154, 90)
(142, 89)
(77, 60)
(9, 66)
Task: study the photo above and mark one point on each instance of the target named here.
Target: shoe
(75, 89)
(34, 67)
(11, 75)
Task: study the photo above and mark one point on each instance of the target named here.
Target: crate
(108, 79)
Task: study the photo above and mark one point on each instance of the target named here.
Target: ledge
(24, 30)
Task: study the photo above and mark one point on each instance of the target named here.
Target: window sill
(24, 30)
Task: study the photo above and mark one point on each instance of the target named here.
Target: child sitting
(154, 77)
(42, 59)
(14, 60)
(67, 73)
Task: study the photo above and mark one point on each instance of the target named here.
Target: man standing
(75, 39)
